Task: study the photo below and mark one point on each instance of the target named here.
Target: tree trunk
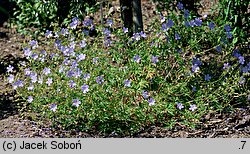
(126, 15)
(63, 10)
(137, 15)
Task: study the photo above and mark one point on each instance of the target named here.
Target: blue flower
(162, 18)
(127, 83)
(65, 31)
(187, 24)
(83, 44)
(151, 102)
(186, 13)
(125, 30)
(226, 66)
(30, 99)
(219, 48)
(207, 77)
(46, 71)
(61, 69)
(53, 107)
(180, 106)
(227, 28)
(229, 35)
(70, 73)
(244, 69)
(106, 31)
(85, 88)
(236, 53)
(197, 62)
(137, 58)
(81, 57)
(192, 23)
(31, 87)
(34, 56)
(27, 71)
(33, 43)
(10, 78)
(85, 32)
(33, 77)
(192, 107)
(180, 6)
(145, 94)
(177, 36)
(198, 22)
(107, 41)
(77, 73)
(170, 23)
(154, 59)
(49, 81)
(195, 68)
(164, 27)
(95, 60)
(211, 25)
(48, 34)
(10, 69)
(18, 83)
(99, 79)
(248, 65)
(57, 43)
(86, 76)
(194, 88)
(87, 22)
(110, 22)
(136, 36)
(74, 23)
(143, 34)
(76, 102)
(43, 52)
(27, 52)
(241, 60)
(71, 83)
(74, 64)
(242, 80)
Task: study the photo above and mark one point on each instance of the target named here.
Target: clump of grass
(178, 72)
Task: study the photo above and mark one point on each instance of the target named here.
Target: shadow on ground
(9, 103)
(8, 107)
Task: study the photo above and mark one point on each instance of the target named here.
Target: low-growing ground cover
(179, 71)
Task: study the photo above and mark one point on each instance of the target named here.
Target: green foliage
(42, 14)
(237, 13)
(34, 13)
(170, 5)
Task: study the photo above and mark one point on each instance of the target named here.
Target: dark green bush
(235, 12)
(44, 14)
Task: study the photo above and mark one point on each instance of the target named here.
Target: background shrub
(45, 14)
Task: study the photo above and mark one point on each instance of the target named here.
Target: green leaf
(235, 40)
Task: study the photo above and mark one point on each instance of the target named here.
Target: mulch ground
(15, 123)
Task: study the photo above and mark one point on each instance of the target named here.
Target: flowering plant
(176, 73)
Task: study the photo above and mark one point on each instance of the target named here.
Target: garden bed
(15, 123)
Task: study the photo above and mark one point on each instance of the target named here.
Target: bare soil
(22, 124)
